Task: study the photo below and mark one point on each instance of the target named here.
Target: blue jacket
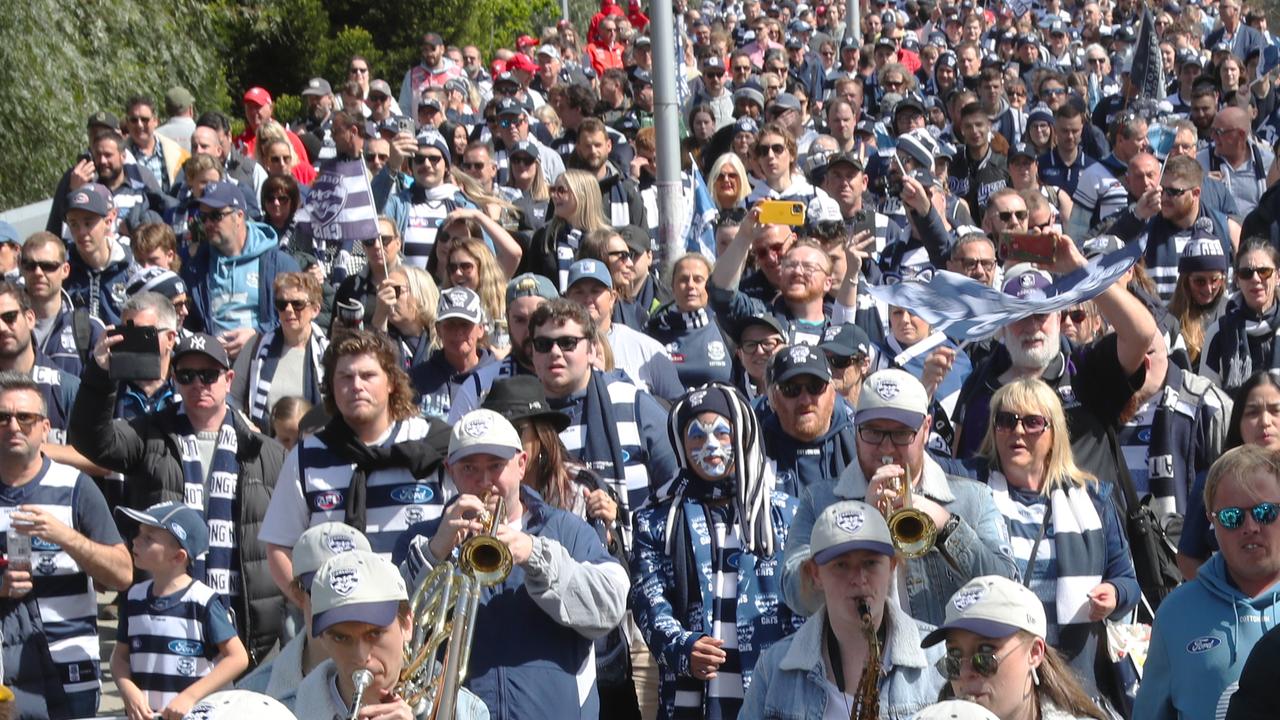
(819, 462)
(254, 271)
(60, 344)
(979, 544)
(791, 675)
(762, 619)
(444, 393)
(1200, 639)
(531, 654)
(104, 291)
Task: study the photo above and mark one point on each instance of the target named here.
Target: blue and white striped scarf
(263, 370)
(215, 499)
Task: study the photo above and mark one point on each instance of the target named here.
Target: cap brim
(460, 315)
(838, 348)
(798, 371)
(977, 626)
(906, 417)
(305, 580)
(193, 351)
(506, 452)
(381, 613)
(140, 516)
(558, 420)
(825, 556)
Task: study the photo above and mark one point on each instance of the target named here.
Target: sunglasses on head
(566, 343)
(791, 389)
(1031, 424)
(1263, 273)
(1231, 518)
(186, 376)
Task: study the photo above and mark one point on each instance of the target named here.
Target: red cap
(525, 41)
(522, 62)
(257, 96)
(497, 67)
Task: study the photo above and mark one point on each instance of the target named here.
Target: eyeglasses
(380, 157)
(423, 159)
(1232, 518)
(48, 266)
(758, 347)
(566, 343)
(297, 305)
(620, 255)
(986, 664)
(215, 216)
(791, 389)
(971, 264)
(386, 240)
(1210, 281)
(179, 305)
(804, 268)
(901, 438)
(26, 420)
(522, 160)
(1264, 273)
(1075, 316)
(1031, 424)
(1009, 215)
(1174, 192)
(763, 150)
(186, 376)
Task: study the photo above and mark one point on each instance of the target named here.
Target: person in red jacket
(605, 50)
(257, 110)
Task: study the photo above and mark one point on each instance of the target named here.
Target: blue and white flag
(701, 235)
(682, 77)
(338, 213)
(967, 310)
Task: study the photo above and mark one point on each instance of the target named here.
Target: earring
(1035, 677)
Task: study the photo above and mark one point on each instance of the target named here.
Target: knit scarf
(1079, 544)
(696, 493)
(601, 448)
(1249, 328)
(566, 250)
(420, 457)
(675, 321)
(267, 361)
(218, 504)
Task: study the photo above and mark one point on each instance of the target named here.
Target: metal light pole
(666, 119)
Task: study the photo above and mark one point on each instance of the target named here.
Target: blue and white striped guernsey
(172, 640)
(63, 591)
(396, 499)
(423, 223)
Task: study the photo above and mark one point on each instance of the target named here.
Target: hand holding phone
(782, 212)
(1028, 247)
(137, 354)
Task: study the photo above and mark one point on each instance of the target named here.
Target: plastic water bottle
(17, 548)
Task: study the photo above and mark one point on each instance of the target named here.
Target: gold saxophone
(911, 529)
(866, 704)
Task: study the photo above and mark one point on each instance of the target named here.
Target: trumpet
(443, 607)
(911, 529)
(867, 700)
(360, 679)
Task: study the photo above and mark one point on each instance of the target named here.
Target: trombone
(911, 529)
(443, 607)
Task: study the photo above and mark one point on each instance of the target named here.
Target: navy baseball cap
(798, 360)
(201, 344)
(845, 340)
(183, 522)
(221, 194)
(92, 198)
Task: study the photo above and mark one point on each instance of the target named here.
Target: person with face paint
(706, 561)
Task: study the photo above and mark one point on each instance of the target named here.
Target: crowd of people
(730, 481)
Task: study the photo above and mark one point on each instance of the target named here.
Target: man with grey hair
(139, 397)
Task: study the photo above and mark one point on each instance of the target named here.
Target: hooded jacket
(1201, 637)
(244, 282)
(800, 465)
(103, 291)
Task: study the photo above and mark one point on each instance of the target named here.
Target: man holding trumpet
(531, 655)
(969, 538)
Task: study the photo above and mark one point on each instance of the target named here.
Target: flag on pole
(1147, 72)
(701, 235)
(338, 213)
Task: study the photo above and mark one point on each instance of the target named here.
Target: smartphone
(407, 124)
(1027, 247)
(781, 212)
(864, 220)
(137, 355)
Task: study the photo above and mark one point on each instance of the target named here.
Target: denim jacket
(789, 679)
(762, 619)
(978, 545)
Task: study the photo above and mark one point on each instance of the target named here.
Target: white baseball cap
(237, 705)
(955, 710)
(893, 394)
(991, 606)
(356, 586)
(484, 432)
(321, 542)
(849, 525)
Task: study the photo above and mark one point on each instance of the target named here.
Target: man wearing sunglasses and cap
(203, 453)
(1204, 630)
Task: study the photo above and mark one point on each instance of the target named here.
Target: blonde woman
(471, 265)
(406, 311)
(730, 185)
(1067, 537)
(577, 209)
(268, 152)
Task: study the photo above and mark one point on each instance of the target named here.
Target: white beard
(1034, 358)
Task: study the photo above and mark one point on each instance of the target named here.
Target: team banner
(340, 205)
(967, 310)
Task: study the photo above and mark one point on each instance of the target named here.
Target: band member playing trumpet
(970, 535)
(360, 617)
(531, 651)
(858, 655)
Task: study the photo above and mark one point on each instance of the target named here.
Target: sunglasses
(1051, 92)
(48, 266)
(9, 318)
(386, 240)
(510, 122)
(765, 150)
(840, 362)
(1263, 273)
(620, 255)
(141, 119)
(1009, 215)
(566, 343)
(1174, 192)
(380, 157)
(792, 388)
(277, 199)
(215, 216)
(1075, 316)
(186, 376)
(522, 160)
(901, 438)
(1232, 518)
(1031, 424)
(297, 305)
(460, 267)
(985, 663)
(423, 159)
(26, 420)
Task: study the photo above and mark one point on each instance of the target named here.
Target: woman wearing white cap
(819, 671)
(1066, 534)
(996, 655)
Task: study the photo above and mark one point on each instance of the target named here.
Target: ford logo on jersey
(42, 545)
(190, 648)
(1203, 645)
(413, 494)
(328, 500)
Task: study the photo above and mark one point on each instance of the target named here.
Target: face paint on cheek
(713, 449)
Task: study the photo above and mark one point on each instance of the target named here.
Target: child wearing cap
(176, 641)
(850, 578)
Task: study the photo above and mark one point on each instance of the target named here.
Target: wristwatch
(949, 527)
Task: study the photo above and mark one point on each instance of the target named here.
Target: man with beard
(316, 131)
(44, 268)
(106, 167)
(622, 204)
(804, 281)
(100, 264)
(19, 353)
(808, 429)
(1095, 382)
(525, 293)
(433, 72)
(50, 623)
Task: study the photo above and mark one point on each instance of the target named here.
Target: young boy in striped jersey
(177, 641)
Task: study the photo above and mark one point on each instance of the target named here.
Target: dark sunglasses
(1174, 192)
(422, 159)
(1231, 518)
(510, 122)
(272, 199)
(1031, 424)
(297, 305)
(186, 376)
(566, 343)
(460, 267)
(840, 362)
(1009, 215)
(48, 266)
(382, 157)
(617, 255)
(763, 150)
(901, 438)
(9, 318)
(1075, 316)
(792, 388)
(522, 160)
(386, 240)
(984, 663)
(215, 216)
(1263, 273)
(26, 420)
